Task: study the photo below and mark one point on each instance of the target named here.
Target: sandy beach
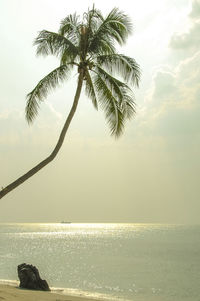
(12, 293)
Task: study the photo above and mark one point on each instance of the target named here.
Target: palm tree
(88, 45)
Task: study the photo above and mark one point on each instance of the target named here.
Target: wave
(9, 282)
(70, 292)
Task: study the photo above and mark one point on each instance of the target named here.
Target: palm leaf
(69, 28)
(39, 93)
(90, 90)
(114, 84)
(48, 42)
(122, 93)
(128, 104)
(116, 99)
(123, 65)
(119, 25)
(115, 27)
(110, 106)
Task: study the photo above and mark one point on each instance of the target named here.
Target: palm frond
(90, 90)
(128, 104)
(123, 65)
(114, 84)
(119, 24)
(39, 93)
(90, 25)
(115, 27)
(48, 42)
(101, 46)
(116, 124)
(122, 93)
(91, 19)
(101, 43)
(110, 106)
(69, 28)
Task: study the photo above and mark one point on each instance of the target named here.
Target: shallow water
(126, 261)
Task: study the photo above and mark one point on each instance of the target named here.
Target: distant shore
(13, 293)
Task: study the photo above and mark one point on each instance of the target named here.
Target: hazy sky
(151, 174)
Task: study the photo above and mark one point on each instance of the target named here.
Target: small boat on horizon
(63, 222)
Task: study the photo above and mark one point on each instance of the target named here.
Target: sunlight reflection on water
(129, 261)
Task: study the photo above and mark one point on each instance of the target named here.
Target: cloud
(14, 130)
(164, 87)
(188, 40)
(191, 38)
(54, 111)
(173, 104)
(175, 90)
(13, 114)
(195, 13)
(8, 134)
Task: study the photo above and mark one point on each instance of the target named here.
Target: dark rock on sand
(29, 278)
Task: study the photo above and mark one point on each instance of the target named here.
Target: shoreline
(14, 293)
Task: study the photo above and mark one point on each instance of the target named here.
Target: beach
(13, 293)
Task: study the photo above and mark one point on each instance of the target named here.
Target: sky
(151, 173)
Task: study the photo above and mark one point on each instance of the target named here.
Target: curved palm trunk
(43, 163)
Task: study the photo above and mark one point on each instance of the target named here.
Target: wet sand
(13, 293)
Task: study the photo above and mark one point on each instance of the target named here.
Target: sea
(138, 262)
